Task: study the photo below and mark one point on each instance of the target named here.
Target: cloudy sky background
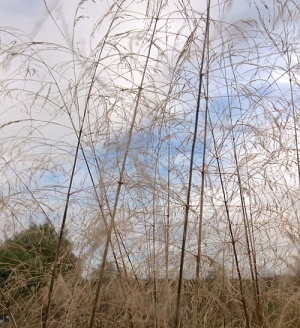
(249, 99)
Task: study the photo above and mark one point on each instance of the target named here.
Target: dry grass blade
(149, 164)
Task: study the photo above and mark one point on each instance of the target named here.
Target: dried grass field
(149, 164)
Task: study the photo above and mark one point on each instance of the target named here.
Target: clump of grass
(164, 138)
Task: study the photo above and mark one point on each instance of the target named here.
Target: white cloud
(241, 89)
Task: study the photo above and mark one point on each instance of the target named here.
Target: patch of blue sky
(149, 149)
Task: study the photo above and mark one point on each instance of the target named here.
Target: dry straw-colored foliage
(163, 136)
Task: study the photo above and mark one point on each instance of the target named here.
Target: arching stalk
(187, 205)
(121, 176)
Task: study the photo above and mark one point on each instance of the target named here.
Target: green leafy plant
(26, 259)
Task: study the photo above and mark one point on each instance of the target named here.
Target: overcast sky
(45, 147)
